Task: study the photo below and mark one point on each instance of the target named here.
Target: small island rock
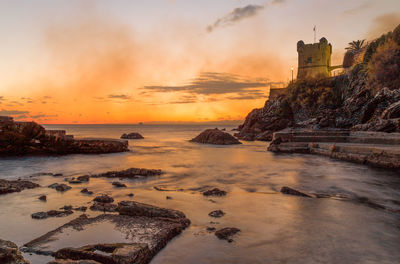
(133, 135)
(216, 137)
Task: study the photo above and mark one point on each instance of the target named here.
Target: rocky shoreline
(30, 138)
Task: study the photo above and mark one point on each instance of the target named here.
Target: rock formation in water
(10, 254)
(7, 186)
(30, 138)
(133, 135)
(365, 98)
(216, 137)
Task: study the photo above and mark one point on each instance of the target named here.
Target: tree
(356, 45)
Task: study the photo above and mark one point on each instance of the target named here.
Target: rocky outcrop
(216, 137)
(7, 186)
(133, 135)
(30, 138)
(291, 191)
(10, 254)
(350, 101)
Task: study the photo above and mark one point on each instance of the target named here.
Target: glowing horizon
(97, 62)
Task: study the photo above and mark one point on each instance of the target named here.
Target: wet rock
(151, 232)
(86, 191)
(60, 187)
(215, 192)
(119, 184)
(130, 194)
(139, 209)
(103, 207)
(69, 261)
(291, 191)
(75, 181)
(216, 213)
(168, 197)
(211, 229)
(103, 199)
(81, 208)
(43, 198)
(83, 178)
(10, 254)
(119, 253)
(129, 173)
(216, 137)
(7, 186)
(57, 174)
(133, 135)
(66, 207)
(226, 233)
(51, 213)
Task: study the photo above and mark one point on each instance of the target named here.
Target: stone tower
(314, 59)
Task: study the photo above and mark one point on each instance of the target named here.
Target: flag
(315, 27)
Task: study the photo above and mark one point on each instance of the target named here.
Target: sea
(357, 222)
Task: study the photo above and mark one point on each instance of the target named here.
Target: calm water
(276, 228)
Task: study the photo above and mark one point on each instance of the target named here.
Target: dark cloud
(236, 15)
(2, 98)
(119, 96)
(40, 116)
(209, 83)
(12, 112)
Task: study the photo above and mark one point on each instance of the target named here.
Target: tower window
(309, 60)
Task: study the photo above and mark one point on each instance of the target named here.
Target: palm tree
(356, 46)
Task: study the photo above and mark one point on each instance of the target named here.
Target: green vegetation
(356, 46)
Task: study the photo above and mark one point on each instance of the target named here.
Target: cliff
(30, 138)
(365, 98)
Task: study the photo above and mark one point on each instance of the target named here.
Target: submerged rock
(119, 184)
(216, 137)
(10, 254)
(103, 199)
(60, 187)
(226, 233)
(83, 178)
(129, 173)
(43, 198)
(217, 213)
(215, 192)
(291, 191)
(133, 135)
(15, 186)
(86, 191)
(51, 213)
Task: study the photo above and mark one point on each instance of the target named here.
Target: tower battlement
(314, 59)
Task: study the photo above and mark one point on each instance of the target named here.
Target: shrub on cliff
(384, 67)
(312, 94)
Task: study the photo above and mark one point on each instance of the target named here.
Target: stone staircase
(373, 148)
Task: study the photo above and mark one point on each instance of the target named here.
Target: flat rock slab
(140, 236)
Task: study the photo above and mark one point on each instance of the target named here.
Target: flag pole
(315, 34)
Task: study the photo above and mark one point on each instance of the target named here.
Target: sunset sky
(129, 61)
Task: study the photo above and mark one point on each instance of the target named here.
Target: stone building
(314, 59)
